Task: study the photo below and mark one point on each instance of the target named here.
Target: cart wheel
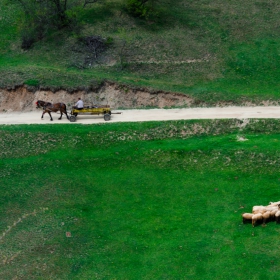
(107, 117)
(72, 118)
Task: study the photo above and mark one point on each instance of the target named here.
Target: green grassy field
(155, 200)
(213, 50)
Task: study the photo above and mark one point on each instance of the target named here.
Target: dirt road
(34, 117)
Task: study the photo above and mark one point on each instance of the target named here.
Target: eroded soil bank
(23, 99)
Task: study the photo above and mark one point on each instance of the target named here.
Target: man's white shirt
(80, 104)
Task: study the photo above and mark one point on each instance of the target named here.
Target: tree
(43, 16)
(89, 2)
(54, 10)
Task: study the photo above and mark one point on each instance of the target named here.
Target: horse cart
(92, 110)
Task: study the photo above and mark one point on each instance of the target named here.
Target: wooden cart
(91, 110)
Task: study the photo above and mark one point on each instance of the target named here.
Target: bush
(27, 41)
(141, 9)
(136, 8)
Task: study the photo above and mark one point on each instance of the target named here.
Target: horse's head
(42, 104)
(39, 104)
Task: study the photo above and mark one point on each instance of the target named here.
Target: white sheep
(271, 208)
(263, 214)
(247, 217)
(258, 209)
(272, 214)
(274, 203)
(266, 216)
(257, 218)
(277, 217)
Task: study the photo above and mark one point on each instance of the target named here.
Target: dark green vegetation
(210, 49)
(138, 201)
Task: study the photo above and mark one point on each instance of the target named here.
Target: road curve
(259, 112)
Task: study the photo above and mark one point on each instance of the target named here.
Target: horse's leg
(43, 114)
(50, 115)
(60, 114)
(65, 112)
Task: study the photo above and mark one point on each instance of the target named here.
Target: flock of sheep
(263, 214)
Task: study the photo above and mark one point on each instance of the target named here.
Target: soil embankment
(23, 99)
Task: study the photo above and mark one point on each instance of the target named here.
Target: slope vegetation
(211, 50)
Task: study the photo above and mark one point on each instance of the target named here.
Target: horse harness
(50, 106)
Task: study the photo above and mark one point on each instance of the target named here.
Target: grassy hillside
(138, 201)
(226, 50)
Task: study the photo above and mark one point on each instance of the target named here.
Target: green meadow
(211, 50)
(154, 200)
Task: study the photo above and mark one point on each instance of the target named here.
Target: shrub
(141, 9)
(27, 41)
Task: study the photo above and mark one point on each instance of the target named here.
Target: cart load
(104, 110)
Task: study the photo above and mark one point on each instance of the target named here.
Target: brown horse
(49, 107)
